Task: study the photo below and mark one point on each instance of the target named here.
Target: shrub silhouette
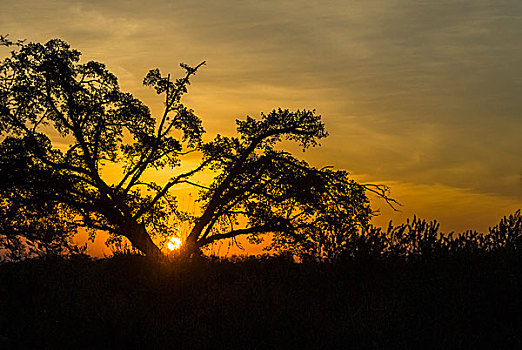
(420, 239)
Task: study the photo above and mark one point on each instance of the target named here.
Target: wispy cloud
(420, 92)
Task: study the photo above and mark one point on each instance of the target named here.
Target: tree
(63, 122)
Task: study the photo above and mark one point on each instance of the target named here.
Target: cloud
(419, 92)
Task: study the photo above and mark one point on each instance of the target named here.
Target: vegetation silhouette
(415, 290)
(64, 121)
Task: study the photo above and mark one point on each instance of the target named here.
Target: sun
(174, 243)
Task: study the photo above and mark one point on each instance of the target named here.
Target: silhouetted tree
(64, 121)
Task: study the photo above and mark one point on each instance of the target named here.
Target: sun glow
(174, 243)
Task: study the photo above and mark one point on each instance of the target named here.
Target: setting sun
(174, 243)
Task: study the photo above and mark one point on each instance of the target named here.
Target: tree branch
(243, 231)
(382, 191)
(168, 186)
(146, 157)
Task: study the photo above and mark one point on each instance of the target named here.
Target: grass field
(459, 302)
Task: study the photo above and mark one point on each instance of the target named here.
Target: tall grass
(420, 239)
(131, 302)
(406, 287)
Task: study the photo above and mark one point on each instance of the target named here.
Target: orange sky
(423, 96)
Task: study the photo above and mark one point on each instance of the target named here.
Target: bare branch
(382, 191)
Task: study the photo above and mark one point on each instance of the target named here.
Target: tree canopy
(62, 121)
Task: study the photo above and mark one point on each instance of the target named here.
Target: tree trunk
(190, 248)
(140, 239)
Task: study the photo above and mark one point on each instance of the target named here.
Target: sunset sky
(424, 96)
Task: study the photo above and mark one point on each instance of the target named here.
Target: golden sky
(425, 96)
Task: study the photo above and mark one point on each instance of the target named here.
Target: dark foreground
(130, 302)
